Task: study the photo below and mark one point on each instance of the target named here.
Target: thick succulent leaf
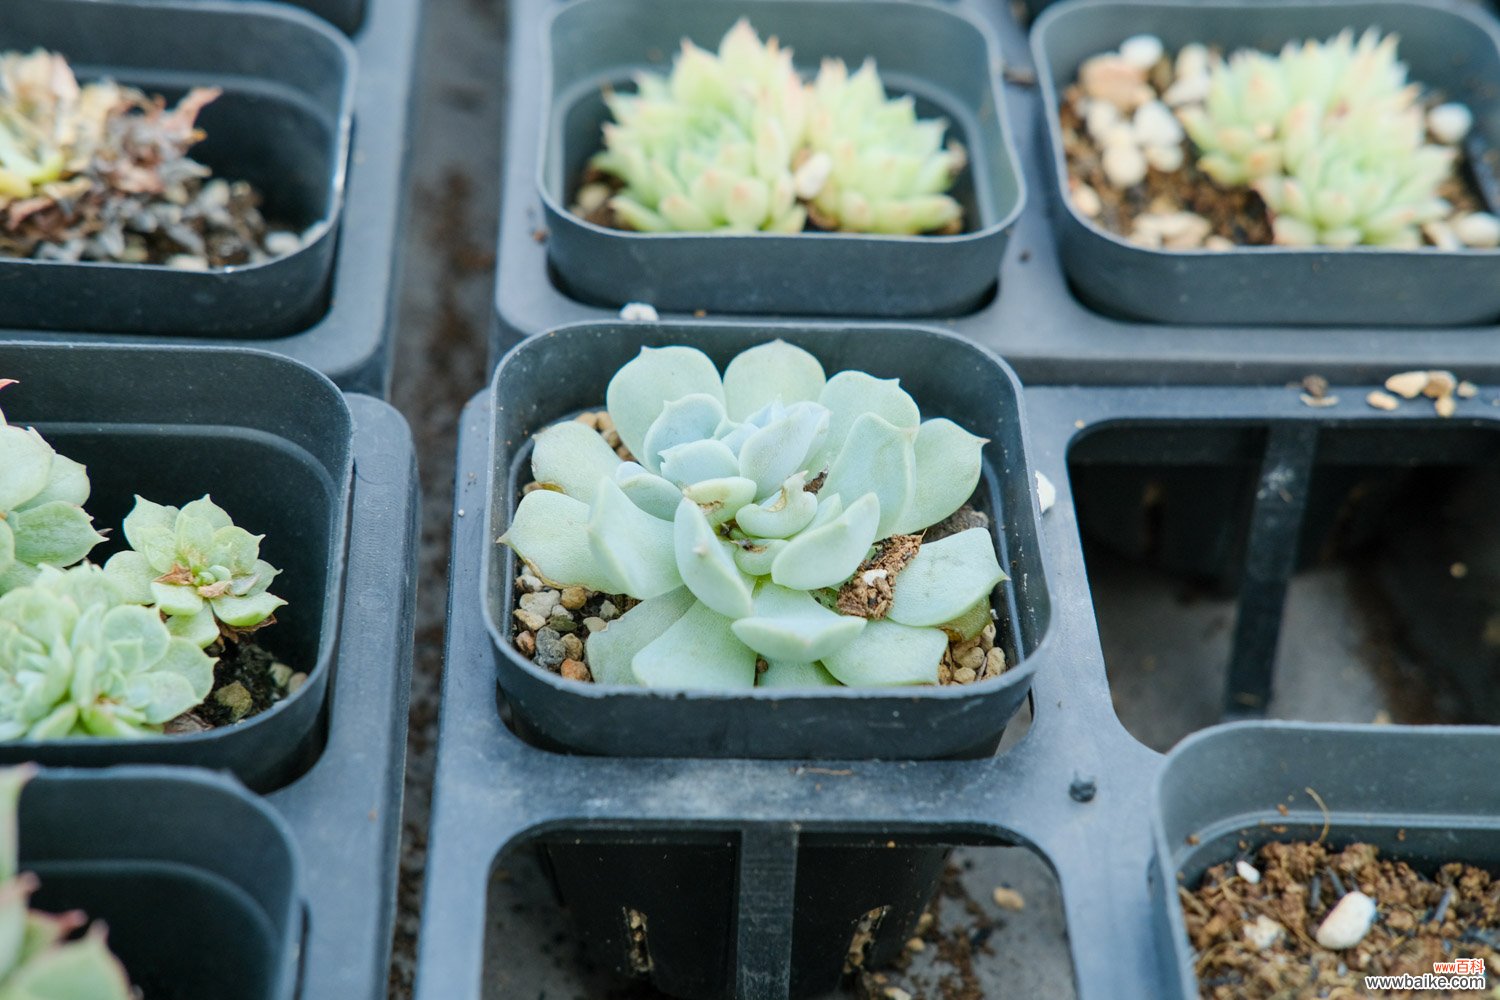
(631, 545)
(184, 659)
(828, 555)
(205, 510)
(159, 696)
(781, 448)
(888, 653)
(17, 575)
(12, 780)
(699, 652)
(697, 461)
(830, 506)
(755, 558)
(782, 674)
(14, 895)
(195, 539)
(200, 629)
(783, 515)
(112, 721)
(132, 575)
(75, 970)
(176, 598)
(648, 491)
(550, 532)
(237, 549)
(246, 612)
(139, 628)
(67, 481)
(877, 458)
(611, 650)
(682, 421)
(777, 371)
(649, 381)
(971, 621)
(946, 578)
(721, 498)
(7, 546)
(151, 529)
(707, 564)
(25, 463)
(57, 724)
(848, 395)
(573, 458)
(790, 625)
(949, 459)
(56, 533)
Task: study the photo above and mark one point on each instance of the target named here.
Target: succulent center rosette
(770, 514)
(40, 957)
(76, 659)
(42, 520)
(197, 567)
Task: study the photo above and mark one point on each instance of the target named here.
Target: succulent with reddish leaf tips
(196, 567)
(41, 958)
(42, 520)
(1332, 137)
(770, 513)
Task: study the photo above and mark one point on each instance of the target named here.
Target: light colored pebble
(1008, 899)
(1124, 166)
(1218, 243)
(540, 603)
(1439, 384)
(187, 262)
(809, 178)
(529, 620)
(1188, 90)
(1155, 125)
(1247, 871)
(526, 643)
(639, 312)
(1046, 496)
(573, 598)
(573, 646)
(1264, 933)
(916, 944)
(1441, 235)
(1142, 50)
(1119, 134)
(1348, 922)
(1477, 229)
(1099, 118)
(1177, 230)
(965, 675)
(1167, 159)
(994, 661)
(1192, 62)
(608, 611)
(591, 197)
(896, 993)
(531, 584)
(1110, 78)
(1087, 201)
(594, 624)
(282, 243)
(1445, 406)
(1467, 390)
(1382, 400)
(1450, 123)
(1407, 385)
(294, 684)
(971, 660)
(574, 670)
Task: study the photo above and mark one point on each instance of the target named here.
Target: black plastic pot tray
(341, 323)
(331, 757)
(1075, 788)
(594, 44)
(1036, 322)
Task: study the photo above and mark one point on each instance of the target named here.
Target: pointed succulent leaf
(244, 612)
(783, 674)
(7, 549)
(631, 545)
(756, 556)
(828, 555)
(707, 565)
(58, 533)
(783, 515)
(651, 493)
(641, 388)
(176, 599)
(76, 970)
(550, 532)
(573, 458)
(612, 649)
(948, 462)
(782, 447)
(12, 780)
(721, 498)
(698, 651)
(697, 461)
(888, 653)
(67, 481)
(877, 458)
(690, 419)
(790, 625)
(201, 629)
(25, 463)
(773, 372)
(848, 396)
(132, 574)
(946, 578)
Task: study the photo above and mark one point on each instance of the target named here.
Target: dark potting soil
(1455, 913)
(248, 679)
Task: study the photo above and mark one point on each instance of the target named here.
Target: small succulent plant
(77, 659)
(1332, 137)
(40, 956)
(769, 514)
(738, 141)
(197, 567)
(42, 520)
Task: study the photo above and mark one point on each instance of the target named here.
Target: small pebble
(575, 671)
(282, 243)
(1046, 496)
(540, 603)
(1008, 899)
(1178, 230)
(1218, 243)
(1445, 406)
(1188, 90)
(573, 645)
(1124, 166)
(1382, 400)
(526, 643)
(281, 674)
(187, 262)
(1192, 62)
(1450, 123)
(594, 624)
(573, 598)
(562, 621)
(639, 312)
(1318, 402)
(1167, 159)
(1154, 125)
(1407, 385)
(1142, 50)
(550, 651)
(916, 944)
(1477, 229)
(591, 198)
(971, 659)
(966, 675)
(1100, 118)
(608, 611)
(295, 684)
(529, 620)
(1264, 933)
(896, 993)
(808, 180)
(1348, 922)
(1086, 200)
(1110, 78)
(994, 662)
(1247, 871)
(1441, 235)
(236, 699)
(1439, 384)
(1467, 390)
(531, 584)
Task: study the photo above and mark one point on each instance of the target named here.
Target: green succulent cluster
(753, 501)
(738, 141)
(41, 958)
(1332, 137)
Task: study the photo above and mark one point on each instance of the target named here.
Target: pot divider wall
(597, 43)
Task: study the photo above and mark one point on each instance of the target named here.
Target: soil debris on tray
(1258, 940)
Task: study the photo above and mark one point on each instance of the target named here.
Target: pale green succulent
(711, 146)
(42, 520)
(41, 958)
(196, 566)
(887, 170)
(78, 659)
(1332, 137)
(715, 530)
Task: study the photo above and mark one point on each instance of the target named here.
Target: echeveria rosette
(197, 567)
(733, 559)
(882, 169)
(41, 956)
(1331, 135)
(78, 659)
(42, 520)
(710, 147)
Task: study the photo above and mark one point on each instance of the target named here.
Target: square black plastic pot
(346, 15)
(1423, 795)
(551, 377)
(198, 881)
(1449, 46)
(592, 44)
(283, 123)
(269, 439)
